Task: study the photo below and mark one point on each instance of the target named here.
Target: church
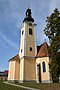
(31, 64)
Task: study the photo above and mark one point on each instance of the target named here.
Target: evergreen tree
(52, 30)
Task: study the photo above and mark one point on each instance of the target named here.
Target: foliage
(52, 30)
(55, 58)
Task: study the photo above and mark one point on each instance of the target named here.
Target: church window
(21, 50)
(30, 31)
(44, 67)
(22, 32)
(30, 48)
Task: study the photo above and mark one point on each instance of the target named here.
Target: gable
(42, 50)
(15, 58)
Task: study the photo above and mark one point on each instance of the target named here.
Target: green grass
(46, 86)
(9, 87)
(41, 86)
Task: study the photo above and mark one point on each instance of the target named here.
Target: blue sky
(12, 13)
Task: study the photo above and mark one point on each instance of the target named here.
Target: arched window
(44, 67)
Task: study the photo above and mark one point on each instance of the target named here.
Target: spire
(28, 16)
(28, 13)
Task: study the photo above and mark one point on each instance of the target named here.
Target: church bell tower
(28, 51)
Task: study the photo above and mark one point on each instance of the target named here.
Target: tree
(55, 58)
(52, 30)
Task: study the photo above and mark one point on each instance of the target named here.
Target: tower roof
(28, 16)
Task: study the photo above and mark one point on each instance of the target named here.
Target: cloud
(8, 42)
(10, 11)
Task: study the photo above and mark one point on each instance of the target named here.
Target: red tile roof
(15, 58)
(42, 50)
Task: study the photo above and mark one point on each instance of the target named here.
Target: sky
(12, 13)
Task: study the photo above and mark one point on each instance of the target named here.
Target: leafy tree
(52, 30)
(55, 58)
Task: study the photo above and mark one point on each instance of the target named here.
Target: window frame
(30, 31)
(21, 50)
(44, 66)
(22, 32)
(30, 48)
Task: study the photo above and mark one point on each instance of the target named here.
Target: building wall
(21, 74)
(28, 41)
(29, 69)
(17, 70)
(21, 54)
(11, 74)
(45, 76)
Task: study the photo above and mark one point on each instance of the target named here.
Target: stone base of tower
(13, 81)
(26, 81)
(45, 81)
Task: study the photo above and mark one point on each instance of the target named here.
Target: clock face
(30, 24)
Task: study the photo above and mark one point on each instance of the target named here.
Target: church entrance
(38, 73)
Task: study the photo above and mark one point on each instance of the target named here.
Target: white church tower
(28, 50)
(32, 62)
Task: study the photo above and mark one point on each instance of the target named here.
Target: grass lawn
(41, 86)
(9, 87)
(46, 86)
